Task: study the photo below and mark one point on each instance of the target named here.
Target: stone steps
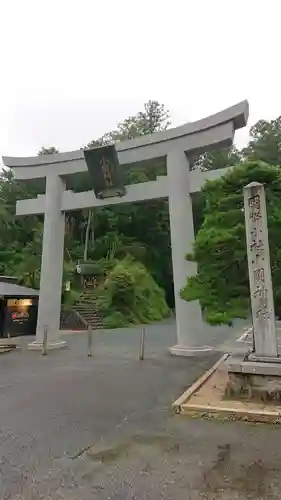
(86, 307)
(87, 313)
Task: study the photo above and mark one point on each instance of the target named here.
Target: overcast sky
(70, 70)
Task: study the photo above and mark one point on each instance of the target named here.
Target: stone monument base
(186, 351)
(38, 346)
(253, 377)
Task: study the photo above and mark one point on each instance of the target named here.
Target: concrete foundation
(38, 346)
(260, 387)
(185, 351)
(253, 379)
(240, 363)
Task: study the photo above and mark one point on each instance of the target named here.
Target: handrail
(85, 323)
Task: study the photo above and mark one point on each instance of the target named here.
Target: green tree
(265, 142)
(48, 151)
(153, 118)
(134, 228)
(222, 283)
(16, 232)
(145, 233)
(217, 159)
(89, 227)
(29, 267)
(129, 295)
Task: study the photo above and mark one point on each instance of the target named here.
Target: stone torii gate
(175, 146)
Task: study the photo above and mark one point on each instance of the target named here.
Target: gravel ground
(73, 427)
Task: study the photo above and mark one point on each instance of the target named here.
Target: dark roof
(13, 290)
(9, 279)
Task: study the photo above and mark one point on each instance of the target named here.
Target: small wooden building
(18, 308)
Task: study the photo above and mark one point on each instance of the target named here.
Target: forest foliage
(222, 282)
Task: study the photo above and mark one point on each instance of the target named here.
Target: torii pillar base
(185, 351)
(38, 346)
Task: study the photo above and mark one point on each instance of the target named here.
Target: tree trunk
(86, 247)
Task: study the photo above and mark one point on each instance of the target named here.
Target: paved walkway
(161, 336)
(79, 428)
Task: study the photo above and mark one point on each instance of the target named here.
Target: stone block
(253, 387)
(261, 368)
(234, 362)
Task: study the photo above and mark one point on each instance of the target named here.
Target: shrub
(129, 295)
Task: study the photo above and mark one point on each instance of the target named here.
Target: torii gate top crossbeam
(213, 131)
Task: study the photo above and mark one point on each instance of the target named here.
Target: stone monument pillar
(265, 344)
(257, 374)
(52, 265)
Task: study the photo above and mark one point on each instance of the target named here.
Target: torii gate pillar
(51, 266)
(190, 332)
(175, 145)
